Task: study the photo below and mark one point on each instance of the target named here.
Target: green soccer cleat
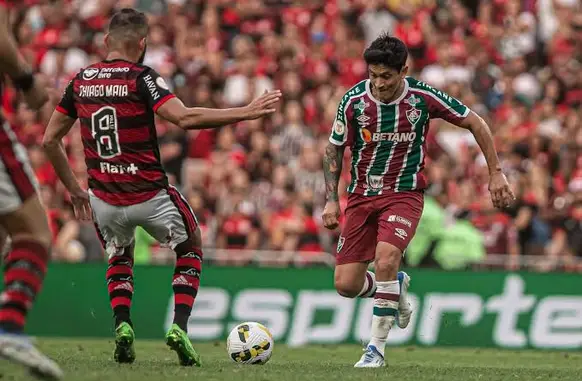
(179, 342)
(124, 338)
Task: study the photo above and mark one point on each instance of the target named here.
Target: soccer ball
(250, 343)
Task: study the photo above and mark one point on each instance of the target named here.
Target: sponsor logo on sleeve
(339, 128)
(151, 85)
(162, 84)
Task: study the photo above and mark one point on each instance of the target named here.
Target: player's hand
(263, 105)
(501, 194)
(81, 205)
(330, 215)
(36, 96)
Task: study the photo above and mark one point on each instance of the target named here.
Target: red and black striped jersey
(115, 102)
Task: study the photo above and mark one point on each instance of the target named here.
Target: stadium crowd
(259, 185)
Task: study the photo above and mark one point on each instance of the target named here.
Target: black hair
(129, 23)
(388, 51)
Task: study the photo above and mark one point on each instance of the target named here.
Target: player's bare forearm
(55, 152)
(484, 138)
(196, 118)
(59, 125)
(199, 118)
(11, 62)
(332, 170)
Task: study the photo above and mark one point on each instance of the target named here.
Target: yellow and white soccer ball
(250, 343)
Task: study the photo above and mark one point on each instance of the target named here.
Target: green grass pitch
(88, 360)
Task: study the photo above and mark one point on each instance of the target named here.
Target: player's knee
(43, 233)
(193, 241)
(192, 244)
(345, 286)
(387, 259)
(29, 223)
(45, 238)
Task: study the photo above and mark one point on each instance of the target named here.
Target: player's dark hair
(388, 51)
(128, 24)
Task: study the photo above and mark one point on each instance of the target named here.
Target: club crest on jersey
(89, 74)
(361, 105)
(340, 243)
(413, 115)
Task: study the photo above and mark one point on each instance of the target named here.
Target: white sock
(369, 288)
(385, 308)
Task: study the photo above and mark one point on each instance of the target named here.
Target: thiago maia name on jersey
(103, 91)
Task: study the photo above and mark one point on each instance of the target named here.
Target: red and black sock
(120, 285)
(186, 281)
(25, 268)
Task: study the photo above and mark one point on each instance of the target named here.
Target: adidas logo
(119, 263)
(192, 255)
(191, 272)
(117, 278)
(181, 281)
(124, 286)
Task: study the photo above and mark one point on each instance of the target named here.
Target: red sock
(25, 267)
(120, 286)
(186, 282)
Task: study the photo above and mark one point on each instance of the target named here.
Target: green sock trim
(379, 311)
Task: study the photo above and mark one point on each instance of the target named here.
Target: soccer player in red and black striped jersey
(22, 217)
(115, 101)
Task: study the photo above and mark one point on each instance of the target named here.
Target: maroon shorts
(391, 218)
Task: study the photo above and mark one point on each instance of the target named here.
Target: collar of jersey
(395, 101)
(116, 60)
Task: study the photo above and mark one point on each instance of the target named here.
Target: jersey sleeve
(339, 131)
(153, 89)
(443, 106)
(67, 103)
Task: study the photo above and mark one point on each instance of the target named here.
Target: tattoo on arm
(332, 170)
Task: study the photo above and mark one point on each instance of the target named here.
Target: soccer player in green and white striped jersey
(385, 120)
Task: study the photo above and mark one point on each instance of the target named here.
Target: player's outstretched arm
(332, 170)
(58, 126)
(17, 69)
(501, 193)
(194, 118)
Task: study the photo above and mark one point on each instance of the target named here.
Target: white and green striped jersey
(388, 140)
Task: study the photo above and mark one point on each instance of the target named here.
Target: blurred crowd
(259, 184)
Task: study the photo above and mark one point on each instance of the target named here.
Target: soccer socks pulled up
(25, 268)
(369, 288)
(385, 309)
(186, 282)
(120, 285)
